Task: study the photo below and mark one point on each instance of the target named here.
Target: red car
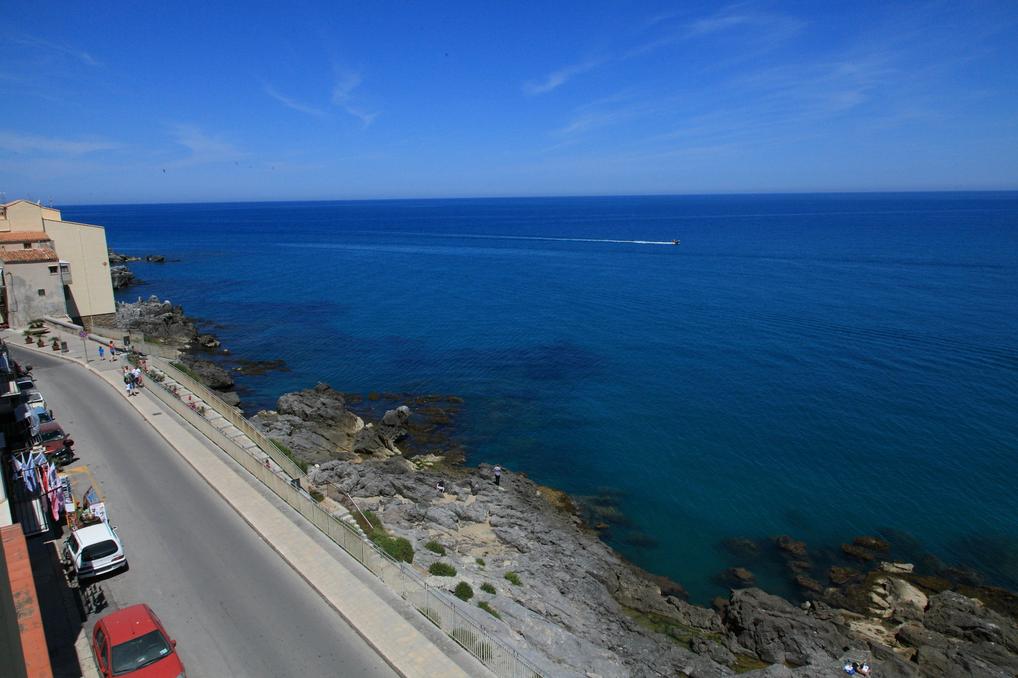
(132, 642)
(53, 437)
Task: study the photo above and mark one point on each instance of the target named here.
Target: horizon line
(537, 196)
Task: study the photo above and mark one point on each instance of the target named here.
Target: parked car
(36, 399)
(44, 415)
(25, 384)
(94, 550)
(133, 642)
(57, 445)
(52, 435)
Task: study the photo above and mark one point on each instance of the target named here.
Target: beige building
(79, 256)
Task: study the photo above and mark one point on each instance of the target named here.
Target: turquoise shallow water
(817, 365)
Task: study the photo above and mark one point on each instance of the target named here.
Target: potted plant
(56, 344)
(28, 336)
(40, 343)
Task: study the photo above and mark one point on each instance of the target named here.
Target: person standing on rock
(498, 474)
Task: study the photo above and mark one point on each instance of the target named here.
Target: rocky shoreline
(553, 589)
(576, 608)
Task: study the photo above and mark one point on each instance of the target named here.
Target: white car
(95, 550)
(36, 400)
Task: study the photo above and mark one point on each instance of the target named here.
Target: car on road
(94, 550)
(25, 384)
(133, 642)
(52, 436)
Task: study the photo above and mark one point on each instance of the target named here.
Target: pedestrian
(498, 474)
(102, 352)
(136, 373)
(128, 381)
(113, 352)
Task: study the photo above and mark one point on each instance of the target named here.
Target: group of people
(111, 349)
(132, 380)
(855, 668)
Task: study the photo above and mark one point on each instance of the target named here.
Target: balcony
(65, 273)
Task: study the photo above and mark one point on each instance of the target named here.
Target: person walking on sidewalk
(128, 381)
(136, 374)
(113, 352)
(102, 352)
(498, 474)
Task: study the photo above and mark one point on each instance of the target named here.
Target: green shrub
(375, 523)
(479, 561)
(435, 547)
(316, 495)
(463, 591)
(301, 464)
(513, 579)
(397, 547)
(489, 609)
(442, 570)
(488, 588)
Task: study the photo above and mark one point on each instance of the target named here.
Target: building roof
(23, 236)
(36, 254)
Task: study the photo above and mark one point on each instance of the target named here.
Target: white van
(94, 550)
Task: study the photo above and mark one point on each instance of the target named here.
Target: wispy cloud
(203, 148)
(765, 29)
(343, 97)
(556, 79)
(292, 103)
(58, 48)
(18, 142)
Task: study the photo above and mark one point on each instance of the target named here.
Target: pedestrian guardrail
(442, 609)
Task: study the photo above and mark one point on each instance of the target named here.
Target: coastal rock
(778, 632)
(842, 575)
(122, 277)
(230, 398)
(155, 258)
(739, 576)
(207, 341)
(791, 546)
(958, 616)
(117, 258)
(857, 552)
(871, 543)
(159, 321)
(209, 373)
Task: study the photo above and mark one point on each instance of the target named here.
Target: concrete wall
(84, 246)
(22, 215)
(23, 283)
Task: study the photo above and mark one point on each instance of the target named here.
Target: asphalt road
(233, 605)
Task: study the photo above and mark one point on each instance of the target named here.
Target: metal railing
(442, 609)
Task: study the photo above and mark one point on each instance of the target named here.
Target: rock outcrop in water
(575, 608)
(158, 320)
(122, 277)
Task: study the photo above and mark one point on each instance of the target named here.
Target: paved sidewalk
(402, 645)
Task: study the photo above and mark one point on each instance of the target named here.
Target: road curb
(261, 535)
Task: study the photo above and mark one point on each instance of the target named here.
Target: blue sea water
(822, 366)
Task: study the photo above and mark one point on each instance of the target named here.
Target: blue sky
(157, 102)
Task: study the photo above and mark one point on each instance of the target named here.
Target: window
(53, 270)
(42, 293)
(100, 638)
(27, 245)
(103, 549)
